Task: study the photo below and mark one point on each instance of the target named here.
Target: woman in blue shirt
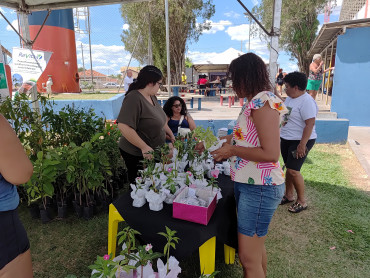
(15, 169)
(176, 111)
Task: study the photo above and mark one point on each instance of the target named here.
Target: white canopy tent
(39, 5)
(23, 7)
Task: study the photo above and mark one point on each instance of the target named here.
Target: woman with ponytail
(142, 120)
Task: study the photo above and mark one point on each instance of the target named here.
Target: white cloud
(337, 9)
(239, 32)
(255, 2)
(217, 26)
(2, 10)
(232, 14)
(125, 26)
(15, 25)
(290, 67)
(105, 58)
(214, 57)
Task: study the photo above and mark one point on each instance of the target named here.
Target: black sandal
(285, 200)
(296, 207)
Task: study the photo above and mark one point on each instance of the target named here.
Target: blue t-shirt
(9, 198)
(174, 125)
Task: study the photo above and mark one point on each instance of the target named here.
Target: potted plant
(44, 175)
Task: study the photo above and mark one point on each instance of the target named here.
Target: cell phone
(294, 153)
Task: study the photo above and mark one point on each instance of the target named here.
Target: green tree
(299, 25)
(187, 20)
(188, 62)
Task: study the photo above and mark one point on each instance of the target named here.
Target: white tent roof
(38, 5)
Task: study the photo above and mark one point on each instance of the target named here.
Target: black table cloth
(223, 223)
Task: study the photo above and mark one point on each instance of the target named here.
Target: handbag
(183, 131)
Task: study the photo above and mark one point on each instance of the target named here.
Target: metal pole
(329, 72)
(91, 67)
(132, 54)
(150, 48)
(25, 29)
(274, 47)
(83, 62)
(249, 39)
(168, 47)
(323, 78)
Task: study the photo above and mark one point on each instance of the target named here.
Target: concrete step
(327, 115)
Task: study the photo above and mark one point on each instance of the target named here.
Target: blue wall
(107, 108)
(351, 86)
(328, 131)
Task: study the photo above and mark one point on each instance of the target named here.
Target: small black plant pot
(34, 211)
(46, 215)
(62, 211)
(78, 208)
(105, 205)
(88, 212)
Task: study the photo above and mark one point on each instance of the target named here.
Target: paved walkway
(359, 140)
(358, 137)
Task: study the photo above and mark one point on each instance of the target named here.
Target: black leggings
(133, 165)
(13, 237)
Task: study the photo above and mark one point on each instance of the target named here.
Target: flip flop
(285, 200)
(296, 208)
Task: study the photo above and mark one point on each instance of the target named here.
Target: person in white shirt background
(297, 137)
(128, 80)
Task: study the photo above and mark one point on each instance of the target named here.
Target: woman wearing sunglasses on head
(177, 115)
(142, 120)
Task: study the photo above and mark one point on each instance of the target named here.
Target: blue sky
(228, 35)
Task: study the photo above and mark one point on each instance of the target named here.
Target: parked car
(111, 85)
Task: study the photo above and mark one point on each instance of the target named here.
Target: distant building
(345, 45)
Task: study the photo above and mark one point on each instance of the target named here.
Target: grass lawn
(298, 245)
(82, 96)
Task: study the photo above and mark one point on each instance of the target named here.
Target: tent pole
(26, 37)
(274, 47)
(168, 48)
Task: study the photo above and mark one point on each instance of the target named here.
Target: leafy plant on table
(204, 135)
(144, 255)
(161, 154)
(171, 239)
(127, 235)
(170, 182)
(213, 180)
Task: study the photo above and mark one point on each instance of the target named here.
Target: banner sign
(4, 90)
(28, 65)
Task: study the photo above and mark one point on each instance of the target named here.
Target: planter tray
(192, 213)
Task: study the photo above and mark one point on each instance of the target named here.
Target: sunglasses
(176, 105)
(160, 84)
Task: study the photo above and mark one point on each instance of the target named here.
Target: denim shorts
(256, 205)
